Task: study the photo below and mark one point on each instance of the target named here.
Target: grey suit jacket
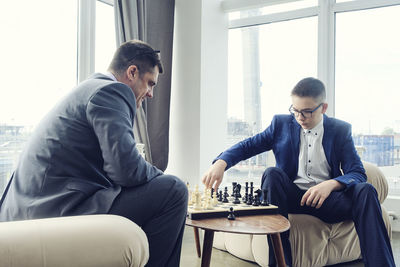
(79, 156)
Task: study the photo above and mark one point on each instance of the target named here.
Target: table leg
(278, 249)
(197, 241)
(207, 248)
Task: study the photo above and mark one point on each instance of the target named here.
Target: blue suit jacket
(79, 156)
(283, 137)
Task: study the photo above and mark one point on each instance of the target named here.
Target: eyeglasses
(305, 113)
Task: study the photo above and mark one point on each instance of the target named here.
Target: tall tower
(251, 74)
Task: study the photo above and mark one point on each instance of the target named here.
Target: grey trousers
(159, 207)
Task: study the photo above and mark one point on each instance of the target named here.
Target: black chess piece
(236, 200)
(257, 201)
(249, 200)
(233, 188)
(231, 215)
(246, 195)
(225, 199)
(220, 196)
(226, 192)
(264, 202)
(238, 187)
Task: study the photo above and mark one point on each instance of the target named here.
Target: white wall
(199, 88)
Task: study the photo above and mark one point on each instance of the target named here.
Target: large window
(352, 45)
(368, 85)
(105, 36)
(38, 53)
(265, 62)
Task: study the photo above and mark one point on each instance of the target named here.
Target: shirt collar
(317, 130)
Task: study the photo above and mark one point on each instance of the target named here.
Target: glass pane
(105, 36)
(265, 62)
(38, 53)
(368, 82)
(273, 9)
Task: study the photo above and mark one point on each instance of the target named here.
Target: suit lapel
(295, 138)
(327, 139)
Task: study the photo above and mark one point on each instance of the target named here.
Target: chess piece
(233, 188)
(226, 191)
(189, 194)
(236, 200)
(197, 200)
(264, 202)
(231, 215)
(226, 195)
(256, 201)
(214, 199)
(238, 187)
(249, 199)
(245, 198)
(220, 196)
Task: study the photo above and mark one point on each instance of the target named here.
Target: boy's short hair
(310, 87)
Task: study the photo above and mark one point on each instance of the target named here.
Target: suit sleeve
(351, 165)
(110, 112)
(249, 147)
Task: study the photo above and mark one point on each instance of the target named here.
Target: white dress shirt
(313, 166)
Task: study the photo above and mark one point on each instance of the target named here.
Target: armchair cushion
(91, 240)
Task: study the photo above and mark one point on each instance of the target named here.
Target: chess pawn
(207, 204)
(220, 196)
(231, 215)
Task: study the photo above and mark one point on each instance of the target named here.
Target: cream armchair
(314, 243)
(80, 241)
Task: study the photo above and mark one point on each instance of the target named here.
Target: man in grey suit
(82, 159)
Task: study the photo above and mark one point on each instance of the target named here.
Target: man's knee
(178, 188)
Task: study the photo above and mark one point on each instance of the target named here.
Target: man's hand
(214, 175)
(316, 195)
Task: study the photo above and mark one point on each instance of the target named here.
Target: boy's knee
(272, 176)
(365, 190)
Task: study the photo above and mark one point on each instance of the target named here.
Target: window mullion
(326, 50)
(86, 38)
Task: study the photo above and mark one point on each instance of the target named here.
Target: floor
(222, 259)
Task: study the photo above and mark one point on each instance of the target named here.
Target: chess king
(311, 151)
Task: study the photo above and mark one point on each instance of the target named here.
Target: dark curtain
(151, 21)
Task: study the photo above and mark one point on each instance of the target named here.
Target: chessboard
(211, 204)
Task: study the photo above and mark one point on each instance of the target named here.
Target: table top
(255, 224)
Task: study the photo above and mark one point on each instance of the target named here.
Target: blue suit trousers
(358, 203)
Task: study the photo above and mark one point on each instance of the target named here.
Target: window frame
(326, 12)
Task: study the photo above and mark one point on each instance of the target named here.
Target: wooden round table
(271, 225)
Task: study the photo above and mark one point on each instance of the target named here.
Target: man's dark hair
(310, 87)
(136, 53)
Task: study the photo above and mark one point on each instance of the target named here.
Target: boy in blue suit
(311, 151)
